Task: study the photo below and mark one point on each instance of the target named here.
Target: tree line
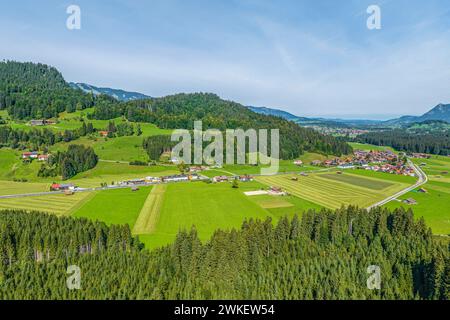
(322, 255)
(67, 164)
(37, 139)
(401, 140)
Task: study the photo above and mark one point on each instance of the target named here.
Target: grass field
(207, 206)
(59, 204)
(434, 206)
(368, 147)
(10, 187)
(358, 181)
(8, 160)
(118, 149)
(210, 207)
(120, 206)
(346, 189)
(383, 176)
(149, 215)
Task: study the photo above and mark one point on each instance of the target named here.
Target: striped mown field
(335, 191)
(58, 204)
(149, 215)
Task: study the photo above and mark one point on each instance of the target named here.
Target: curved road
(421, 181)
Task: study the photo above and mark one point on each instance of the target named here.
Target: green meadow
(58, 204)
(216, 206)
(119, 206)
(433, 206)
(368, 147)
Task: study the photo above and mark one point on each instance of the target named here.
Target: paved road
(111, 187)
(421, 181)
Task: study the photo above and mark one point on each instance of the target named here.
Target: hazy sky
(306, 57)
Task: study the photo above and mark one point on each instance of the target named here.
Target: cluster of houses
(347, 132)
(364, 157)
(382, 161)
(399, 169)
(34, 155)
(164, 179)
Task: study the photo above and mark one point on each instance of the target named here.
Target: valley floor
(157, 213)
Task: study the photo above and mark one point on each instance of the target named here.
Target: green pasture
(119, 206)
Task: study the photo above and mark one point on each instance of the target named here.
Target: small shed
(410, 201)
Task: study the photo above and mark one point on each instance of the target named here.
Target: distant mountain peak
(118, 94)
(440, 112)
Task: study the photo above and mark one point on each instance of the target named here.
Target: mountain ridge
(118, 94)
(440, 112)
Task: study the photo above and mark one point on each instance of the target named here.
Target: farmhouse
(103, 133)
(37, 123)
(316, 162)
(276, 191)
(220, 179)
(62, 187)
(422, 190)
(245, 178)
(346, 166)
(196, 169)
(420, 156)
(152, 179)
(30, 155)
(43, 157)
(298, 162)
(175, 178)
(134, 181)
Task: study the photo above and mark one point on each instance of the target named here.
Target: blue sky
(311, 58)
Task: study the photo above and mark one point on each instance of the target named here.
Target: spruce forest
(323, 255)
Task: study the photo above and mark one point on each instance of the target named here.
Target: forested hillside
(402, 140)
(325, 255)
(38, 91)
(181, 110)
(29, 90)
